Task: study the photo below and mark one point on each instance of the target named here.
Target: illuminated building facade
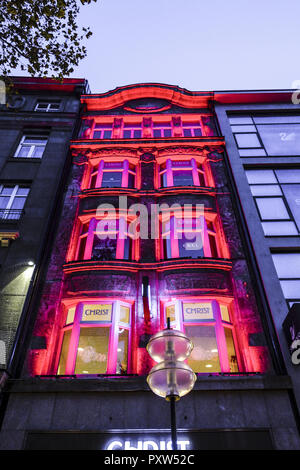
(151, 228)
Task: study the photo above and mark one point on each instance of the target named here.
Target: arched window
(95, 338)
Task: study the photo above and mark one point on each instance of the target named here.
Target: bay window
(208, 323)
(112, 175)
(188, 237)
(181, 173)
(95, 338)
(106, 240)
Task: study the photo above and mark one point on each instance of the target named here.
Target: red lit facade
(125, 259)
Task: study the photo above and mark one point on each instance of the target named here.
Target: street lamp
(171, 378)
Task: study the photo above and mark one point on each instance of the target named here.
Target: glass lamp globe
(167, 344)
(171, 379)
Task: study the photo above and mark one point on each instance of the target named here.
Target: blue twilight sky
(196, 44)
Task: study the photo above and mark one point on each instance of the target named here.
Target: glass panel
(170, 313)
(137, 134)
(183, 178)
(252, 153)
(111, 179)
(260, 176)
(4, 202)
(276, 119)
(124, 314)
(288, 176)
(190, 245)
(23, 191)
(24, 151)
(64, 353)
(38, 152)
(281, 140)
(247, 140)
(36, 140)
(70, 315)
(224, 313)
(156, 133)
(292, 194)
(126, 134)
(18, 203)
(240, 120)
(291, 289)
(122, 357)
(167, 133)
(131, 180)
(243, 128)
(231, 350)
(7, 191)
(279, 228)
(107, 134)
(287, 265)
(92, 351)
(266, 190)
(204, 357)
(104, 249)
(272, 208)
(187, 132)
(97, 135)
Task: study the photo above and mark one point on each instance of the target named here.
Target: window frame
(12, 198)
(48, 108)
(121, 222)
(217, 322)
(191, 165)
(32, 146)
(114, 327)
(98, 170)
(281, 196)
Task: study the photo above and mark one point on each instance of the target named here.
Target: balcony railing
(10, 214)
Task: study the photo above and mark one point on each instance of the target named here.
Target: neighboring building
(36, 124)
(151, 159)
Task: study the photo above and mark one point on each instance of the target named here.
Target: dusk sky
(195, 44)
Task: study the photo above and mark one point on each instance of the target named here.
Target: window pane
(7, 191)
(266, 190)
(122, 357)
(104, 249)
(231, 350)
(247, 140)
(287, 265)
(124, 314)
(106, 134)
(288, 176)
(187, 132)
(23, 152)
(70, 315)
(240, 120)
(272, 208)
(92, 351)
(291, 289)
(252, 153)
(276, 119)
(38, 152)
(224, 313)
(64, 353)
(4, 202)
(190, 245)
(260, 176)
(131, 180)
(281, 140)
(111, 179)
(18, 203)
(292, 194)
(183, 178)
(204, 357)
(23, 191)
(243, 128)
(279, 228)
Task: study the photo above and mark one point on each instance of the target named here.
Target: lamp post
(171, 378)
